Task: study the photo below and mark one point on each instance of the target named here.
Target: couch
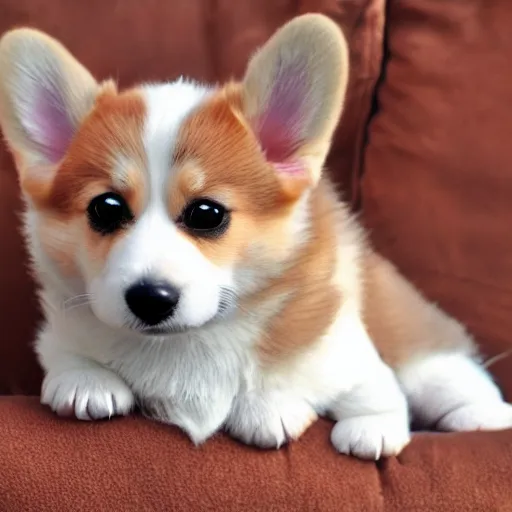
(423, 154)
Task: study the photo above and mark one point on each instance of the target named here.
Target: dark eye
(206, 218)
(108, 213)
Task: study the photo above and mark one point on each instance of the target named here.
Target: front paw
(373, 436)
(89, 394)
(269, 420)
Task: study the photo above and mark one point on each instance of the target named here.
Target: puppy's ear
(294, 89)
(44, 95)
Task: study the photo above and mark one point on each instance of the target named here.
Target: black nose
(152, 302)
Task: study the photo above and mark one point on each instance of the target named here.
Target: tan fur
(216, 140)
(87, 171)
(312, 297)
(215, 143)
(403, 325)
(92, 155)
(59, 238)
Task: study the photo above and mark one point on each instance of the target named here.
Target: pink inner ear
(50, 126)
(280, 126)
(290, 168)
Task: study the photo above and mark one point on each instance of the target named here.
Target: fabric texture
(131, 464)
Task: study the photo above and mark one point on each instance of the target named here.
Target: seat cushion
(437, 184)
(136, 41)
(132, 464)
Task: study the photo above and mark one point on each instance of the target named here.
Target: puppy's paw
(269, 420)
(373, 436)
(89, 394)
(481, 416)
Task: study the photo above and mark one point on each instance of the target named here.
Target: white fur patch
(78, 386)
(168, 105)
(453, 392)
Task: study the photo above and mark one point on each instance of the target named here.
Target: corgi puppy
(194, 260)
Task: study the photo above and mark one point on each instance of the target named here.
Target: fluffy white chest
(189, 380)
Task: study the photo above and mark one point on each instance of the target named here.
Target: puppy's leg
(452, 392)
(372, 416)
(432, 354)
(76, 386)
(269, 418)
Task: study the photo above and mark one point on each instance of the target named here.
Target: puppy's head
(166, 202)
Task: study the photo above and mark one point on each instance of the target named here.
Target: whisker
(76, 297)
(74, 306)
(496, 358)
(83, 299)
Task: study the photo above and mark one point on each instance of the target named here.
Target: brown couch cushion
(437, 188)
(131, 464)
(159, 39)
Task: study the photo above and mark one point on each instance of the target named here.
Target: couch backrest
(437, 187)
(157, 40)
